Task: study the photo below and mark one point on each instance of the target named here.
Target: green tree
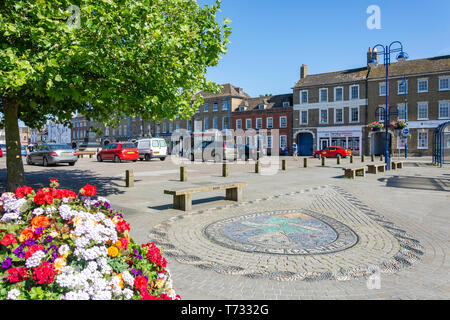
(105, 59)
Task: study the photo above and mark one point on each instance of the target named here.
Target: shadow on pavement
(194, 202)
(73, 179)
(419, 183)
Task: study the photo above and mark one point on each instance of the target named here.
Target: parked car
(46, 154)
(3, 148)
(118, 152)
(217, 151)
(1, 153)
(247, 152)
(152, 148)
(332, 152)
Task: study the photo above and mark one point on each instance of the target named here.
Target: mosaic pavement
(324, 233)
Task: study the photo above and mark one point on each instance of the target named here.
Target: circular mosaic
(289, 232)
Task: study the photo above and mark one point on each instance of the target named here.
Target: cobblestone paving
(381, 244)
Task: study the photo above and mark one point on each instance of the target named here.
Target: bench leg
(400, 165)
(349, 174)
(234, 194)
(183, 202)
(372, 170)
(382, 169)
(361, 173)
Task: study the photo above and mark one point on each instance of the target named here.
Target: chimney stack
(303, 71)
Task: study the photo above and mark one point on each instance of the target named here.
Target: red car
(332, 152)
(1, 152)
(118, 152)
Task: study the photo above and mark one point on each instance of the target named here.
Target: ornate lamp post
(402, 56)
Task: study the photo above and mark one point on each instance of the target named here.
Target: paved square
(304, 233)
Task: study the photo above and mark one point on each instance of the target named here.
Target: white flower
(35, 259)
(13, 294)
(64, 249)
(128, 278)
(128, 294)
(38, 211)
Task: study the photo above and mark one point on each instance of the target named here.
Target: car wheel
(117, 159)
(317, 156)
(45, 162)
(147, 157)
(71, 164)
(162, 159)
(99, 158)
(134, 160)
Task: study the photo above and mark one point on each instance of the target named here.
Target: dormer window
(242, 108)
(286, 104)
(261, 107)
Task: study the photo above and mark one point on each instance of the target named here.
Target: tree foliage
(126, 58)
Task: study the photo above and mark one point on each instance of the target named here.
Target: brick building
(330, 109)
(261, 116)
(427, 102)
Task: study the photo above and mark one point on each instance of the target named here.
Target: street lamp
(401, 57)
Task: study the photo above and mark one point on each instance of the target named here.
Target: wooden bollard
(257, 167)
(129, 178)
(381, 158)
(183, 174)
(372, 157)
(283, 165)
(305, 162)
(351, 159)
(323, 161)
(224, 169)
(338, 160)
(362, 158)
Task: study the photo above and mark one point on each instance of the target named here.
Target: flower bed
(58, 245)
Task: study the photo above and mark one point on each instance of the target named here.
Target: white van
(152, 148)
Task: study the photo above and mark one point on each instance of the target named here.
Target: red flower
(53, 180)
(154, 256)
(122, 225)
(140, 283)
(45, 273)
(124, 243)
(34, 248)
(8, 239)
(21, 192)
(88, 190)
(17, 274)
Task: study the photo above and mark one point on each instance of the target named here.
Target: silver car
(52, 154)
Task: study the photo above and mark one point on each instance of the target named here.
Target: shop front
(345, 137)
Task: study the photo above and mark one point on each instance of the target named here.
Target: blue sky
(271, 39)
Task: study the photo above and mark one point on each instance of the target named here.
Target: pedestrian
(295, 151)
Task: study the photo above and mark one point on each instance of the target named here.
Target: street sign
(405, 132)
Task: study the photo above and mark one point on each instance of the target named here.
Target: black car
(247, 152)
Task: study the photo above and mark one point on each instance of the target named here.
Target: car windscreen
(59, 147)
(128, 146)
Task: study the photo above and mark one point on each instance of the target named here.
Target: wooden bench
(397, 165)
(81, 154)
(351, 173)
(375, 168)
(182, 197)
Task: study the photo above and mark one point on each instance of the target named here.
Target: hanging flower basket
(398, 125)
(376, 126)
(57, 245)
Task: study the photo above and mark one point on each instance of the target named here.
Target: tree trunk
(15, 175)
